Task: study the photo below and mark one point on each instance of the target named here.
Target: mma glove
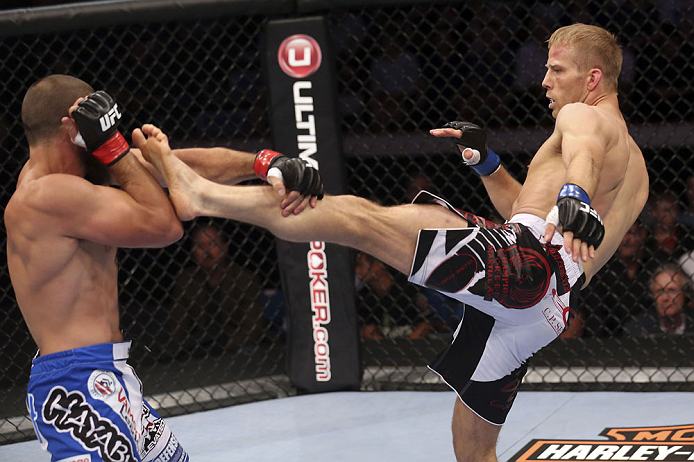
(484, 161)
(296, 173)
(97, 118)
(574, 213)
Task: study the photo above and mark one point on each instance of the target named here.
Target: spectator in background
(687, 215)
(217, 304)
(671, 313)
(387, 305)
(667, 237)
(622, 294)
(396, 82)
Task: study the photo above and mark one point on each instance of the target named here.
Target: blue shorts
(86, 404)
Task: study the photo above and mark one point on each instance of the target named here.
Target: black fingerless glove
(484, 161)
(297, 174)
(98, 117)
(574, 213)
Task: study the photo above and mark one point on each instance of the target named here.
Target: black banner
(317, 278)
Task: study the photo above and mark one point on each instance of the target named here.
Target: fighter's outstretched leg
(387, 233)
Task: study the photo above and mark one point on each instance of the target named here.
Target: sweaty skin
(62, 237)
(590, 146)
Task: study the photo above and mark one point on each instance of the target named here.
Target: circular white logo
(299, 56)
(102, 384)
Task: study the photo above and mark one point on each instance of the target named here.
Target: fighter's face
(563, 81)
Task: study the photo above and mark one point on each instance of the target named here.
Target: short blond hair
(594, 47)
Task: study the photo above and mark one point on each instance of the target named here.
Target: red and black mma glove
(484, 161)
(574, 213)
(297, 174)
(97, 118)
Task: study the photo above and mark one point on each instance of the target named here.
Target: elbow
(166, 229)
(173, 230)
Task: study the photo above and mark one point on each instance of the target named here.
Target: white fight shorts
(516, 289)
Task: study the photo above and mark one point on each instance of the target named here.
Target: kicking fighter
(64, 225)
(589, 179)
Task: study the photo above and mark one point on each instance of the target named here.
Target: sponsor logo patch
(454, 274)
(69, 412)
(102, 384)
(299, 56)
(153, 429)
(557, 324)
(320, 306)
(672, 443)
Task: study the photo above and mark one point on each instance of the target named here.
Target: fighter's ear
(594, 78)
(70, 127)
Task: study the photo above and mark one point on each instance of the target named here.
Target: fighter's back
(65, 287)
(620, 206)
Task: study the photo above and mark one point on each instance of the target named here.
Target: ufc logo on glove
(108, 119)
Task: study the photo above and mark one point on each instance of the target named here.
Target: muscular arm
(503, 191)
(139, 215)
(221, 165)
(585, 139)
(584, 143)
(502, 188)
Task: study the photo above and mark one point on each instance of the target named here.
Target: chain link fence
(207, 315)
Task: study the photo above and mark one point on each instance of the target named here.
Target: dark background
(402, 70)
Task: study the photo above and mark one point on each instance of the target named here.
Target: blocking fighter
(584, 188)
(64, 225)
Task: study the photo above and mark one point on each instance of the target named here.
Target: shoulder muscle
(71, 206)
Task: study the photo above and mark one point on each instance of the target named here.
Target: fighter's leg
(388, 233)
(474, 440)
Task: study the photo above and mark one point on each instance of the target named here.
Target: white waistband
(531, 221)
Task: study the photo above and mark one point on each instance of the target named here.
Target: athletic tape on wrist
(112, 150)
(79, 141)
(553, 216)
(575, 191)
(490, 165)
(262, 162)
(277, 173)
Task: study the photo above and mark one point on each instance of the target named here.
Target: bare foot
(179, 178)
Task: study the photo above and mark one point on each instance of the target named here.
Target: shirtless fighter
(589, 178)
(63, 231)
